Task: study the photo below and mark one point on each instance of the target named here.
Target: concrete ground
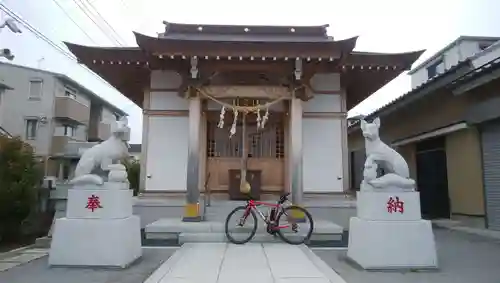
(38, 271)
(462, 258)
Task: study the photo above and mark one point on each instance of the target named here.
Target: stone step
(258, 238)
(208, 231)
(43, 242)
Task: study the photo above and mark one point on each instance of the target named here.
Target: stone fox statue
(102, 157)
(377, 151)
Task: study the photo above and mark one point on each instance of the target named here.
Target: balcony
(103, 131)
(69, 147)
(59, 144)
(69, 108)
(98, 130)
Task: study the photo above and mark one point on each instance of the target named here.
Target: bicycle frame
(252, 205)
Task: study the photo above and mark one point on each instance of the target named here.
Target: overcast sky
(382, 26)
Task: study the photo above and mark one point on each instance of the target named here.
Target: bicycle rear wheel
(295, 218)
(242, 234)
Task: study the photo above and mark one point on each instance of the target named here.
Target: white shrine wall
(323, 165)
(166, 134)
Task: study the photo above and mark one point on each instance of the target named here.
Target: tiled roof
(478, 72)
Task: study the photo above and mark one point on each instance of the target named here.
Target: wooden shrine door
(265, 150)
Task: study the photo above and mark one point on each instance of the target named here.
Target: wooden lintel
(255, 92)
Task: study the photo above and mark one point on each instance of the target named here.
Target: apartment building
(52, 113)
(3, 88)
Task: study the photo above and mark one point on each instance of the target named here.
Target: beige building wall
(465, 178)
(408, 153)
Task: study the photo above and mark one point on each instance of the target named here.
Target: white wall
(322, 145)
(322, 159)
(167, 153)
(167, 136)
(323, 103)
(167, 100)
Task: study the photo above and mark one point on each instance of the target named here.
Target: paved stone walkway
(462, 258)
(228, 263)
(38, 271)
(21, 256)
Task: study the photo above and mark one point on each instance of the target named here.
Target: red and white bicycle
(286, 221)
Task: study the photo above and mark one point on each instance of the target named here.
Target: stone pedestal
(99, 228)
(388, 232)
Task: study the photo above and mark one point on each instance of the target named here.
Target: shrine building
(223, 101)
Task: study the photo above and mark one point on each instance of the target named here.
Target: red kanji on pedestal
(395, 205)
(93, 203)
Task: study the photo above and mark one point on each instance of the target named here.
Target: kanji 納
(395, 205)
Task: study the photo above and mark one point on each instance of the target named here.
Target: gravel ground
(38, 271)
(462, 258)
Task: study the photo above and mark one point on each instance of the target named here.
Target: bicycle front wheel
(295, 225)
(240, 228)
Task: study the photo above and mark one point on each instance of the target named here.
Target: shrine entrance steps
(228, 263)
(174, 230)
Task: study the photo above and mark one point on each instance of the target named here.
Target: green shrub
(133, 170)
(20, 178)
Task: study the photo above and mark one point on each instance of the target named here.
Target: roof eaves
(4, 86)
(485, 69)
(427, 87)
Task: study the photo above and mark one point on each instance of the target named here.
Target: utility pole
(11, 24)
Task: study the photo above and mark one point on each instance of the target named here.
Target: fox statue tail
(87, 179)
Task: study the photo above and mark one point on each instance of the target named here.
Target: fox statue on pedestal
(105, 157)
(379, 154)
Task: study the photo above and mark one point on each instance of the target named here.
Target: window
(484, 45)
(69, 131)
(435, 69)
(31, 128)
(70, 92)
(35, 89)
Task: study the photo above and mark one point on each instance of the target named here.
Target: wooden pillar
(146, 105)
(192, 208)
(295, 159)
(346, 167)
